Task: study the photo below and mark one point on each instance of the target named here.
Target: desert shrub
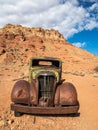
(96, 69)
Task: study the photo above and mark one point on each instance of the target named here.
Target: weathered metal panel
(44, 110)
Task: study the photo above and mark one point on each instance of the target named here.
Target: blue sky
(87, 40)
(77, 20)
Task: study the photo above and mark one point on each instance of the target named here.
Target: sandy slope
(17, 45)
(87, 88)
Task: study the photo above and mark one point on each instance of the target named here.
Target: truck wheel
(17, 114)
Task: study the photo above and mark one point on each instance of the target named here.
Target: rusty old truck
(45, 92)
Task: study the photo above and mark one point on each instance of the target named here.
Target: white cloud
(79, 44)
(64, 15)
(92, 24)
(94, 6)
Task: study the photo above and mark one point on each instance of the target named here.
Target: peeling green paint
(34, 73)
(36, 69)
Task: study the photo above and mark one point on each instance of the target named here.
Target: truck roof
(46, 59)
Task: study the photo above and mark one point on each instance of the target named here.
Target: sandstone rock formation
(19, 44)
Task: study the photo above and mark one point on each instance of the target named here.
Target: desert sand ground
(17, 45)
(87, 88)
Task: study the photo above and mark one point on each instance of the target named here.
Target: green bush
(96, 69)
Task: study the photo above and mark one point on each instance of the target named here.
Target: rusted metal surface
(65, 94)
(21, 92)
(45, 110)
(45, 92)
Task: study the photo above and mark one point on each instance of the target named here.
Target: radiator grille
(46, 86)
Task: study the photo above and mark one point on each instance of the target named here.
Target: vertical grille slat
(46, 86)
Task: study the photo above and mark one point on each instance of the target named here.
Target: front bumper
(45, 110)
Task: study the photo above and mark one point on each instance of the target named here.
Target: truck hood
(35, 72)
